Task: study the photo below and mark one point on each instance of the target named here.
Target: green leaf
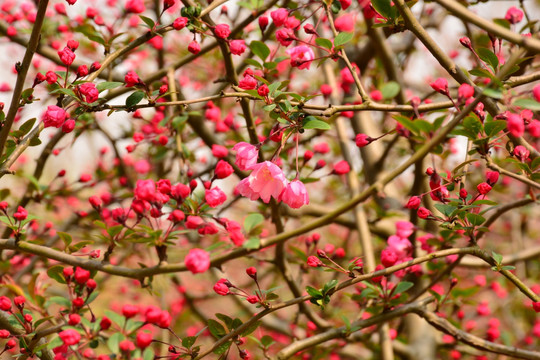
(65, 237)
(116, 318)
(134, 98)
(493, 93)
(313, 292)
(475, 219)
(188, 342)
(252, 243)
(114, 341)
(149, 22)
(227, 320)
(252, 221)
(251, 328)
(492, 128)
(497, 257)
(216, 328)
(260, 49)
(472, 123)
(402, 287)
(56, 272)
(253, 63)
(60, 300)
(267, 340)
(56, 342)
(343, 38)
(508, 267)
(445, 209)
(528, 104)
(222, 348)
(407, 123)
(107, 85)
(390, 90)
(148, 354)
(65, 92)
(27, 126)
(489, 57)
(325, 43)
(384, 7)
(311, 122)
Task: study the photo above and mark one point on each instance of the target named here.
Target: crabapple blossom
(197, 261)
(265, 181)
(301, 56)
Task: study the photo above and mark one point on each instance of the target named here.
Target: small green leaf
(107, 85)
(493, 93)
(528, 104)
(253, 63)
(251, 328)
(27, 126)
(113, 343)
(489, 57)
(311, 122)
(65, 237)
(252, 221)
(134, 98)
(492, 128)
(313, 292)
(149, 22)
(222, 348)
(267, 340)
(260, 49)
(497, 257)
(188, 341)
(252, 243)
(325, 43)
(390, 90)
(56, 272)
(475, 219)
(342, 38)
(402, 287)
(216, 328)
(508, 267)
(383, 7)
(472, 123)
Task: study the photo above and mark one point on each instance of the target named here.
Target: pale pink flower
(267, 180)
(295, 194)
(246, 155)
(404, 229)
(400, 246)
(197, 261)
(301, 56)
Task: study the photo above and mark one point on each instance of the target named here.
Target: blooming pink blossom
(521, 153)
(54, 116)
(66, 56)
(180, 23)
(285, 36)
(248, 83)
(279, 16)
(237, 47)
(222, 31)
(89, 91)
(215, 197)
(404, 229)
(515, 125)
(135, 6)
(295, 194)
(246, 155)
(301, 56)
(265, 181)
(440, 85)
(70, 337)
(197, 261)
(400, 246)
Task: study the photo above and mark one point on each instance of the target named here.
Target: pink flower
(400, 246)
(440, 85)
(362, 140)
(388, 257)
(423, 213)
(248, 83)
(285, 37)
(465, 91)
(492, 177)
(295, 194)
(246, 155)
(54, 116)
(194, 47)
(223, 170)
(180, 23)
(404, 229)
(132, 79)
(515, 125)
(237, 47)
(345, 23)
(215, 197)
(66, 56)
(413, 203)
(222, 31)
(135, 6)
(536, 92)
(514, 15)
(70, 337)
(220, 288)
(534, 128)
(89, 92)
(345, 4)
(342, 167)
(279, 16)
(314, 261)
(266, 180)
(145, 190)
(521, 153)
(197, 261)
(483, 188)
(301, 56)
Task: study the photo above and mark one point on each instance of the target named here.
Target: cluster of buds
(223, 287)
(315, 261)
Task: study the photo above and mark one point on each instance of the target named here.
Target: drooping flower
(246, 155)
(514, 15)
(301, 56)
(54, 116)
(295, 194)
(265, 181)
